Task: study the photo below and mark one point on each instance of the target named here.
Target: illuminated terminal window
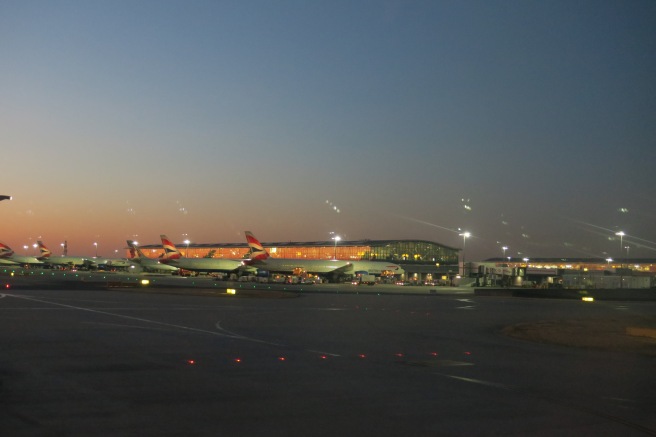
(420, 252)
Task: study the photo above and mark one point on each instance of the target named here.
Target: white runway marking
(223, 332)
(466, 307)
(243, 337)
(123, 325)
(478, 381)
(120, 316)
(323, 353)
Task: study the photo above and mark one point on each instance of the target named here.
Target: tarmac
(105, 354)
(627, 333)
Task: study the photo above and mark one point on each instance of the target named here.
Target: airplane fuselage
(154, 264)
(112, 262)
(64, 260)
(205, 264)
(376, 267)
(288, 265)
(23, 259)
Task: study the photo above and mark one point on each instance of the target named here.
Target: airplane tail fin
(5, 251)
(45, 252)
(258, 252)
(170, 251)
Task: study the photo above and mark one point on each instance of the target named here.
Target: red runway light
(467, 353)
(281, 358)
(434, 354)
(398, 354)
(191, 362)
(324, 357)
(237, 360)
(362, 356)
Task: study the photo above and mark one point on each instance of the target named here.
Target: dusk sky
(530, 124)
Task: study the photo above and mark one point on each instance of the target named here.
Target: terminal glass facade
(418, 252)
(401, 251)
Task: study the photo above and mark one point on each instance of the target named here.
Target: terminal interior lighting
(336, 238)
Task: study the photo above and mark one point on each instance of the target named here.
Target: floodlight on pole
(621, 234)
(464, 236)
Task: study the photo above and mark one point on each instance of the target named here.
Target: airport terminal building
(421, 259)
(429, 262)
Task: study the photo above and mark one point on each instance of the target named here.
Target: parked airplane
(260, 258)
(97, 261)
(173, 257)
(92, 262)
(7, 262)
(7, 254)
(137, 256)
(64, 260)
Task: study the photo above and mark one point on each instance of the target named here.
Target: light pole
(608, 261)
(621, 235)
(96, 244)
(464, 236)
(627, 256)
(504, 248)
(336, 238)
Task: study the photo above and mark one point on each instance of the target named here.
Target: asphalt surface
(128, 362)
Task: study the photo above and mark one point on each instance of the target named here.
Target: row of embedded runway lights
(283, 358)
